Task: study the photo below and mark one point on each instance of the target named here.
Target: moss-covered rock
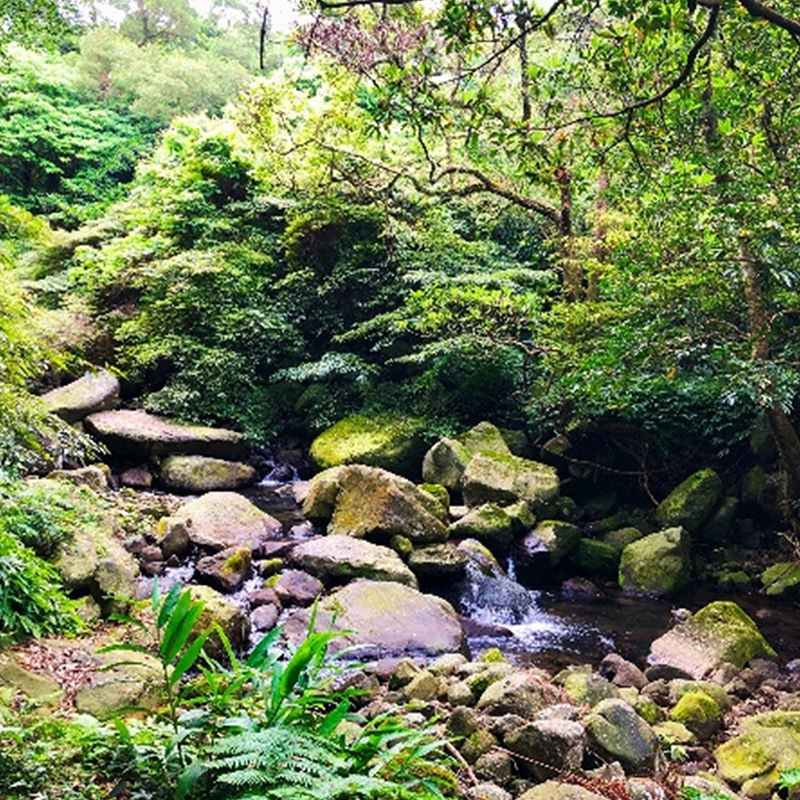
(754, 760)
(585, 688)
(437, 560)
(620, 538)
(489, 524)
(505, 479)
(442, 495)
(596, 558)
(618, 733)
(524, 693)
(656, 565)
(344, 557)
(372, 503)
(198, 474)
(691, 503)
(226, 570)
(718, 633)
(699, 713)
(219, 611)
(93, 392)
(547, 545)
(548, 747)
(392, 442)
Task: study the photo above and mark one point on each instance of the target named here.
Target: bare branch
(760, 11)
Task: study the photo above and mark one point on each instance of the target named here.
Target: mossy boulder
(91, 393)
(489, 524)
(718, 633)
(547, 545)
(198, 474)
(548, 747)
(754, 760)
(505, 479)
(618, 733)
(523, 692)
(392, 442)
(596, 558)
(384, 618)
(585, 688)
(620, 538)
(553, 790)
(447, 460)
(139, 435)
(226, 570)
(219, 520)
(339, 557)
(372, 503)
(691, 503)
(699, 713)
(656, 565)
(219, 611)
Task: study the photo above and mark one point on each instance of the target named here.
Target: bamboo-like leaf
(261, 655)
(188, 658)
(188, 779)
(168, 606)
(179, 628)
(332, 720)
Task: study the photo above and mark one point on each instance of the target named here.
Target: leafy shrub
(31, 600)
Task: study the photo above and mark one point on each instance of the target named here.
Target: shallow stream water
(549, 628)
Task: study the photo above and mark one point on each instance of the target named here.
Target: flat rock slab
(384, 619)
(94, 392)
(346, 557)
(137, 434)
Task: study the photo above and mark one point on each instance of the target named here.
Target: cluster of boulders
(150, 450)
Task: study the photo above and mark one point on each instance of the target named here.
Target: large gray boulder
(691, 503)
(198, 474)
(384, 618)
(618, 733)
(95, 391)
(137, 434)
(656, 565)
(524, 693)
(217, 521)
(336, 557)
(437, 560)
(717, 634)
(390, 441)
(505, 479)
(372, 503)
(447, 460)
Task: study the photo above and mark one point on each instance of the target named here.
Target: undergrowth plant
(272, 725)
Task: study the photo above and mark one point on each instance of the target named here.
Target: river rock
(437, 560)
(137, 434)
(226, 570)
(392, 442)
(298, 588)
(119, 687)
(95, 562)
(96, 477)
(621, 672)
(548, 747)
(690, 503)
(547, 545)
(384, 618)
(618, 733)
(227, 615)
(95, 391)
(768, 745)
(717, 634)
(656, 565)
(505, 479)
(489, 524)
(699, 713)
(447, 460)
(596, 558)
(198, 474)
(336, 557)
(585, 688)
(553, 790)
(219, 520)
(40, 688)
(371, 503)
(524, 693)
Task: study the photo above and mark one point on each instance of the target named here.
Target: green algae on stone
(502, 478)
(489, 524)
(699, 713)
(718, 633)
(197, 474)
(388, 441)
(656, 565)
(596, 558)
(691, 502)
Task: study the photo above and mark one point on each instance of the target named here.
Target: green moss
(723, 619)
(692, 501)
(392, 442)
(698, 712)
(442, 496)
(622, 537)
(493, 656)
(238, 562)
(593, 557)
(657, 564)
